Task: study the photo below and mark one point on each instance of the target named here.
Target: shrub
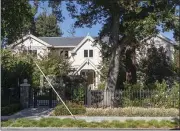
(101, 86)
(132, 111)
(78, 94)
(73, 107)
(10, 109)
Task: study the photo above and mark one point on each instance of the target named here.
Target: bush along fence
(135, 98)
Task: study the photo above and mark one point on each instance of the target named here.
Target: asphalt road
(78, 129)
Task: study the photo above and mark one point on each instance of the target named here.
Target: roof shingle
(62, 41)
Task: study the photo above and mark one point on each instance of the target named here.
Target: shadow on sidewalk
(29, 112)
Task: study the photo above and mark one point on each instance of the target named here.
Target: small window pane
(66, 54)
(90, 53)
(85, 53)
(33, 52)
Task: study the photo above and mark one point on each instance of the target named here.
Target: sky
(68, 21)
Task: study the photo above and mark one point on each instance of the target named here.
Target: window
(85, 53)
(66, 54)
(61, 53)
(33, 52)
(90, 53)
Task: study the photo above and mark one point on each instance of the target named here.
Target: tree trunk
(114, 62)
(114, 72)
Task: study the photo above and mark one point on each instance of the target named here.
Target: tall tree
(16, 17)
(132, 20)
(72, 31)
(47, 25)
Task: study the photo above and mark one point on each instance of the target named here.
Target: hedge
(133, 111)
(10, 109)
(76, 109)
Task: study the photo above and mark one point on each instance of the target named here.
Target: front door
(90, 78)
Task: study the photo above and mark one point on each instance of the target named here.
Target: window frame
(85, 53)
(91, 54)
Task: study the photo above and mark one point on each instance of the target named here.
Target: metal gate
(43, 97)
(46, 97)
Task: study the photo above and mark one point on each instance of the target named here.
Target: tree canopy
(132, 20)
(47, 26)
(16, 17)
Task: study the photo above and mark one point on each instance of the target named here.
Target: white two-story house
(83, 54)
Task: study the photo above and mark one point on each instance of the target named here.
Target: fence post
(35, 98)
(50, 97)
(24, 94)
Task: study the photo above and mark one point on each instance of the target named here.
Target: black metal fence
(135, 98)
(47, 97)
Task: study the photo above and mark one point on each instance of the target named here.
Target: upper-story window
(85, 53)
(88, 53)
(66, 54)
(32, 52)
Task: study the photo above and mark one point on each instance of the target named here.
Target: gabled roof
(82, 42)
(62, 41)
(88, 61)
(166, 39)
(27, 37)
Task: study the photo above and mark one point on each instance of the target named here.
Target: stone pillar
(24, 94)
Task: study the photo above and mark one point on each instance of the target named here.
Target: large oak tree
(132, 20)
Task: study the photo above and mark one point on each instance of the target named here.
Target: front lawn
(55, 122)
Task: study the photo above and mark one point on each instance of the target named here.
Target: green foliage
(14, 69)
(78, 95)
(101, 86)
(156, 66)
(51, 65)
(68, 122)
(54, 65)
(159, 96)
(133, 20)
(47, 26)
(10, 109)
(76, 109)
(133, 112)
(16, 16)
(135, 87)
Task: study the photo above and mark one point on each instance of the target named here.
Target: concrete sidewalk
(111, 118)
(29, 112)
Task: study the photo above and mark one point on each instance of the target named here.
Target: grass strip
(55, 122)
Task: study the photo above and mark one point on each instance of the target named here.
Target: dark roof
(62, 41)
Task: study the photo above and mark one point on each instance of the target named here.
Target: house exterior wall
(78, 58)
(157, 42)
(32, 45)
